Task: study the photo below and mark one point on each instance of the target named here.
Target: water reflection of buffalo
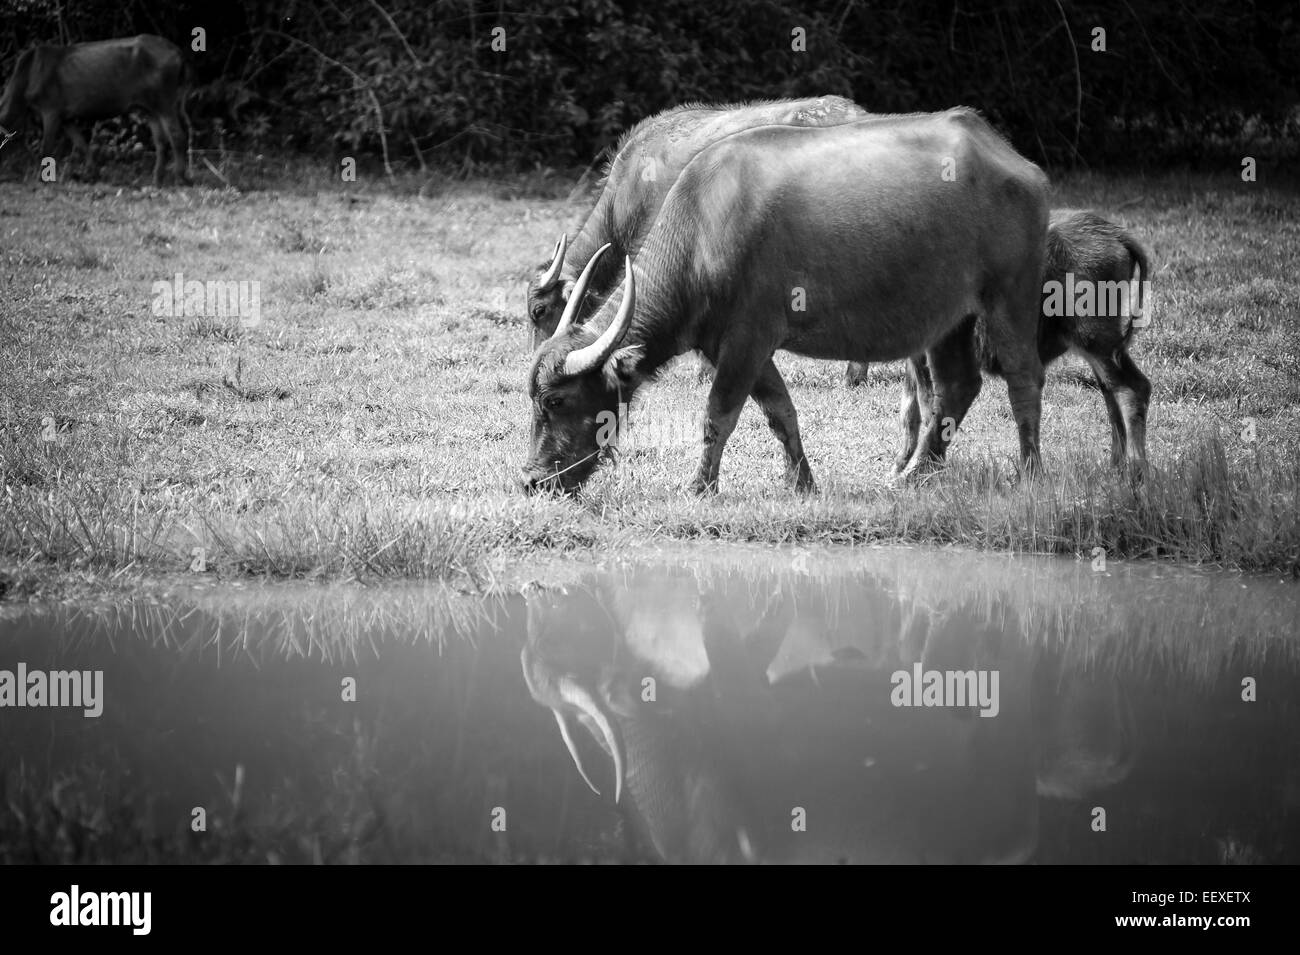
(727, 716)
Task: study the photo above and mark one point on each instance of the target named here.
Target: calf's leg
(1118, 441)
(1129, 391)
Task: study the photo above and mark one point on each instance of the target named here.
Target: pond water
(723, 705)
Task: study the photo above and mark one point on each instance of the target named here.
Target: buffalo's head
(576, 383)
(546, 295)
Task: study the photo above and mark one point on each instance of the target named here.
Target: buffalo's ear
(620, 368)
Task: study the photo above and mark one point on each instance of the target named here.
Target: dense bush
(1178, 80)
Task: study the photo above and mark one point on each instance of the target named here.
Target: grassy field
(373, 423)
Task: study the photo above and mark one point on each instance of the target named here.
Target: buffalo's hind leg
(770, 393)
(1012, 327)
(955, 382)
(1118, 440)
(86, 167)
(855, 374)
(1129, 392)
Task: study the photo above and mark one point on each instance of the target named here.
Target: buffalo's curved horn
(579, 290)
(548, 280)
(591, 356)
(579, 697)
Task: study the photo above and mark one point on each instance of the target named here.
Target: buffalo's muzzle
(533, 482)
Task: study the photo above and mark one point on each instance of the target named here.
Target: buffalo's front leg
(855, 374)
(916, 396)
(771, 395)
(733, 381)
(53, 129)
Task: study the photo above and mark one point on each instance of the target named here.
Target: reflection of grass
(317, 621)
(92, 816)
(392, 334)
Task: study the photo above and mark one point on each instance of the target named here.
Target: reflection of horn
(566, 733)
(562, 695)
(547, 281)
(579, 697)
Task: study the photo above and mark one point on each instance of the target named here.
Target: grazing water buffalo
(871, 241)
(645, 165)
(87, 82)
(1083, 252)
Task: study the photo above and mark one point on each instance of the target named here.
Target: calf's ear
(620, 368)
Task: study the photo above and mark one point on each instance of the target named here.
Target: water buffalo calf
(1082, 249)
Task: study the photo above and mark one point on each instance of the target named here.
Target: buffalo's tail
(184, 90)
(1139, 256)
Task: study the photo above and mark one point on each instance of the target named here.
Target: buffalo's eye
(551, 402)
(538, 312)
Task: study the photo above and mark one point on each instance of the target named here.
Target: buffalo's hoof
(801, 481)
(1031, 470)
(1136, 470)
(917, 473)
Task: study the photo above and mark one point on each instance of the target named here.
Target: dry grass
(373, 422)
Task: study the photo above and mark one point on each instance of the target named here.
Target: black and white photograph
(455, 432)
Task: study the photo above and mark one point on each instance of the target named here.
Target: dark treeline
(427, 81)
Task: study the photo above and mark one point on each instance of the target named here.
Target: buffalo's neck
(657, 351)
(596, 232)
(662, 328)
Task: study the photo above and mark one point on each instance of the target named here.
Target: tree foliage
(428, 80)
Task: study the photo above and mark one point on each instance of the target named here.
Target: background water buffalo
(86, 82)
(646, 163)
(842, 242)
(1082, 248)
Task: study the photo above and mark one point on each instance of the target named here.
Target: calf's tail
(1139, 256)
